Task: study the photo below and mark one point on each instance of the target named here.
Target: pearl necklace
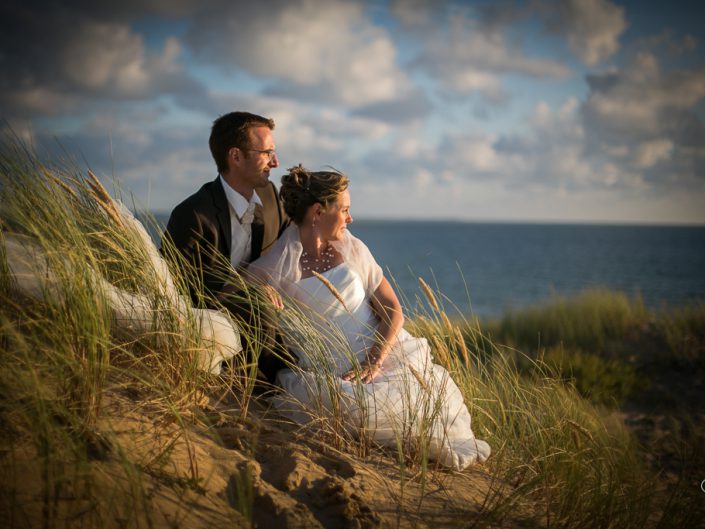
(318, 264)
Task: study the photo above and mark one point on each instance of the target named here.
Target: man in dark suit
(231, 221)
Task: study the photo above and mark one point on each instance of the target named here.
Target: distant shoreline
(489, 222)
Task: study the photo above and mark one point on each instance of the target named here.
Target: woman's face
(333, 221)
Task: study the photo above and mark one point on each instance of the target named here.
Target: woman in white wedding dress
(362, 365)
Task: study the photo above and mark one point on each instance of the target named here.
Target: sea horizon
(485, 268)
(164, 214)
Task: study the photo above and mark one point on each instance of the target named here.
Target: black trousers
(257, 319)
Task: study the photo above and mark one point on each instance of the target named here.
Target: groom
(232, 220)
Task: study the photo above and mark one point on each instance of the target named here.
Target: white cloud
(131, 131)
(111, 58)
(413, 12)
(470, 200)
(390, 104)
(323, 46)
(467, 79)
(413, 146)
(316, 138)
(545, 119)
(468, 57)
(310, 133)
(650, 153)
(592, 27)
(550, 155)
(423, 179)
(474, 154)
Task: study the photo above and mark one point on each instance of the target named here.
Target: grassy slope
(100, 428)
(647, 367)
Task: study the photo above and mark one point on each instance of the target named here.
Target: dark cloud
(592, 28)
(498, 15)
(125, 10)
(323, 92)
(414, 107)
(644, 118)
(667, 45)
(56, 59)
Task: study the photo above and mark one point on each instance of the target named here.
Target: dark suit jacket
(200, 229)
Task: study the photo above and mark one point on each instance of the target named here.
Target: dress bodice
(315, 294)
(353, 319)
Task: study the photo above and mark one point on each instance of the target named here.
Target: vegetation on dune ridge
(101, 427)
(645, 366)
(604, 342)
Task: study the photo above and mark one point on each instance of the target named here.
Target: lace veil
(280, 266)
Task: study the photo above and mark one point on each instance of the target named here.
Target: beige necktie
(249, 214)
(246, 223)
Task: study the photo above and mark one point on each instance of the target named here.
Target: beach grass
(551, 447)
(683, 331)
(65, 362)
(589, 321)
(100, 423)
(605, 343)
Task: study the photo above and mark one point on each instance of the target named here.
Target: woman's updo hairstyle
(301, 189)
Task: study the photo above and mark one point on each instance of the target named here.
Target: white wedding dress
(41, 277)
(410, 399)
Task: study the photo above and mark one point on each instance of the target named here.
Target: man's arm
(183, 231)
(182, 243)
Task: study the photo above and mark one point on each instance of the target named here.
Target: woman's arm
(387, 308)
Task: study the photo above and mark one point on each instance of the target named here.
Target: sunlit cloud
(316, 48)
(435, 109)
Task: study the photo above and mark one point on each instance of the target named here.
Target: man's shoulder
(268, 195)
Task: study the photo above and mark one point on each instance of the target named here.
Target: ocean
(487, 268)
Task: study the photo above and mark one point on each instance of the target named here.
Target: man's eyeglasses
(271, 153)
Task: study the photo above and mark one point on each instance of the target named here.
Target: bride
(383, 379)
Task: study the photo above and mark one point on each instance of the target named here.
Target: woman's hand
(367, 373)
(369, 369)
(273, 296)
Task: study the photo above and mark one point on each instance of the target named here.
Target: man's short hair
(231, 130)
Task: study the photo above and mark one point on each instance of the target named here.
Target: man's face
(252, 166)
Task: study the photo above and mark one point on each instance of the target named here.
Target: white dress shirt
(241, 213)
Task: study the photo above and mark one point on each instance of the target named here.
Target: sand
(145, 470)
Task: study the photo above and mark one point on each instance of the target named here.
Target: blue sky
(579, 110)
